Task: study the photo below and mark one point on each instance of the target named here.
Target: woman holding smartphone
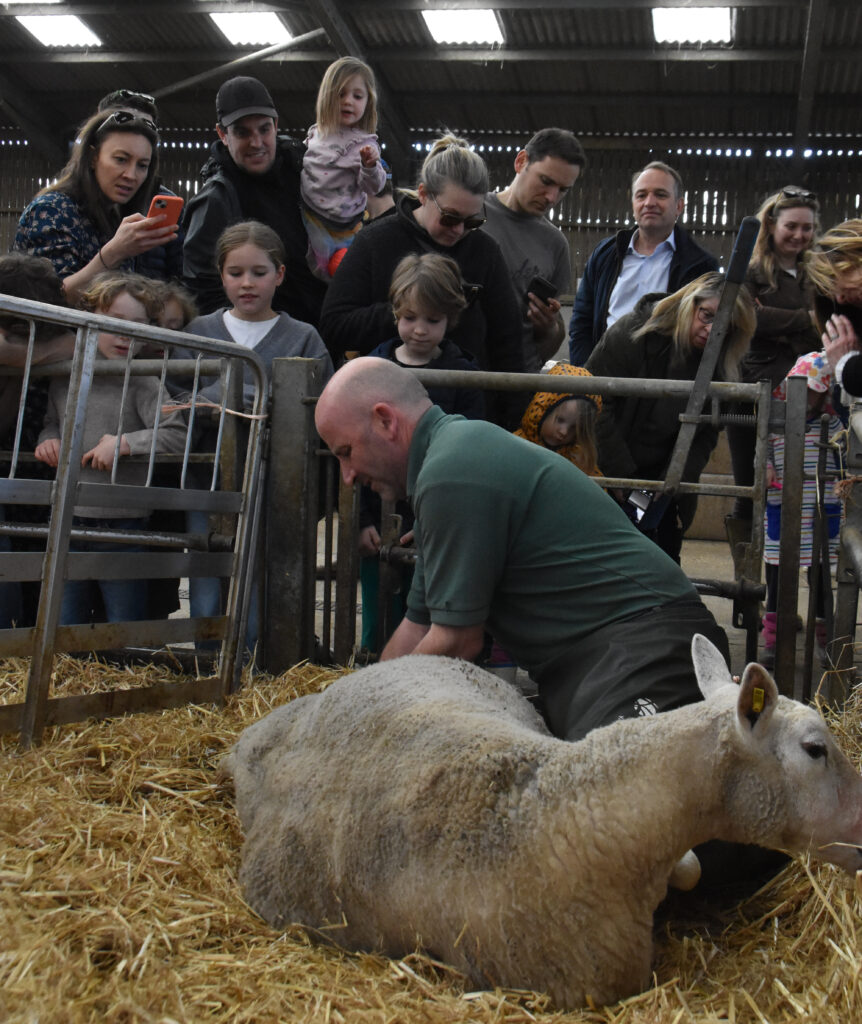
(92, 219)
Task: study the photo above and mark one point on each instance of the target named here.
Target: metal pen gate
(338, 570)
(225, 482)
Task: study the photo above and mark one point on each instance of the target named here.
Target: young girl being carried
(427, 296)
(341, 166)
(115, 425)
(565, 423)
(815, 369)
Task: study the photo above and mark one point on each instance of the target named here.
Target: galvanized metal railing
(746, 591)
(233, 490)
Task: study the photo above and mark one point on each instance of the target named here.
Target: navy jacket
(590, 311)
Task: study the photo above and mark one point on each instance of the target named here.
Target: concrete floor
(707, 559)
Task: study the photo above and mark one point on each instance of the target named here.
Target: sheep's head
(790, 785)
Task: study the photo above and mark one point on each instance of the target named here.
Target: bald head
(359, 385)
(367, 414)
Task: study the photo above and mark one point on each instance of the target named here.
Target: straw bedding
(119, 898)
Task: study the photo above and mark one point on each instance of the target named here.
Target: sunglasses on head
(119, 117)
(794, 192)
(452, 220)
(120, 96)
(132, 94)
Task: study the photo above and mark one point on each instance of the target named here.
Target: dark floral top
(54, 225)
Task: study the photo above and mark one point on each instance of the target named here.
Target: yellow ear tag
(757, 699)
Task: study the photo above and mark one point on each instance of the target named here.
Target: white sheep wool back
(422, 803)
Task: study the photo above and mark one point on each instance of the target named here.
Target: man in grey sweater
(517, 218)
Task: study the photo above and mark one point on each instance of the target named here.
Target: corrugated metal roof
(594, 68)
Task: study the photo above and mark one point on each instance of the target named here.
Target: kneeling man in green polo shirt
(517, 541)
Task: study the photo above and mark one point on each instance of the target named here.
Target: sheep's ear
(758, 697)
(710, 668)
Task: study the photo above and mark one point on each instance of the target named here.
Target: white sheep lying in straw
(422, 802)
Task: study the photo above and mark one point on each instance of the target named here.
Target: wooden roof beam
(807, 83)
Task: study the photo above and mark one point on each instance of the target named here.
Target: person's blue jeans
(124, 600)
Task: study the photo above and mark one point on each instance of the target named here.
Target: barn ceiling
(792, 71)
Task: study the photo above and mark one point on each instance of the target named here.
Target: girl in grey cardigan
(250, 262)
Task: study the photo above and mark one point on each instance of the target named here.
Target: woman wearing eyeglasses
(784, 298)
(92, 218)
(442, 216)
(662, 339)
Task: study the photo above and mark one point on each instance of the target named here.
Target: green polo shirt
(515, 536)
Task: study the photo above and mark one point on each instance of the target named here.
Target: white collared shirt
(640, 275)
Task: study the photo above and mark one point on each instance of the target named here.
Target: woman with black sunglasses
(92, 218)
(442, 215)
(783, 294)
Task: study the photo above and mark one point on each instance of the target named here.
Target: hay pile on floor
(118, 862)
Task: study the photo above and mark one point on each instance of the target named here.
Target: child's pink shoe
(770, 621)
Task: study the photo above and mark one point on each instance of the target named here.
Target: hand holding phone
(171, 206)
(542, 289)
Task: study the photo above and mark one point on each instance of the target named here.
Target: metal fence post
(347, 573)
(56, 548)
(291, 514)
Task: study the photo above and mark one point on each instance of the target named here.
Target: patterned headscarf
(814, 367)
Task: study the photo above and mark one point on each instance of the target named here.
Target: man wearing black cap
(252, 173)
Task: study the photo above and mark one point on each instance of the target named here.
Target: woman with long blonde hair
(663, 338)
(783, 294)
(836, 270)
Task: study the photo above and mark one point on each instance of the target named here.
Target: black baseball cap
(241, 96)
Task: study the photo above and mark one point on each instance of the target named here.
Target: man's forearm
(450, 641)
(404, 640)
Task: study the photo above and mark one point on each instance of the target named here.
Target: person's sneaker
(335, 260)
(767, 658)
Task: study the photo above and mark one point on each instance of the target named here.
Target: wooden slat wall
(721, 188)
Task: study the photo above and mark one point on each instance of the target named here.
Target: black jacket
(784, 329)
(590, 311)
(229, 195)
(636, 436)
(357, 315)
